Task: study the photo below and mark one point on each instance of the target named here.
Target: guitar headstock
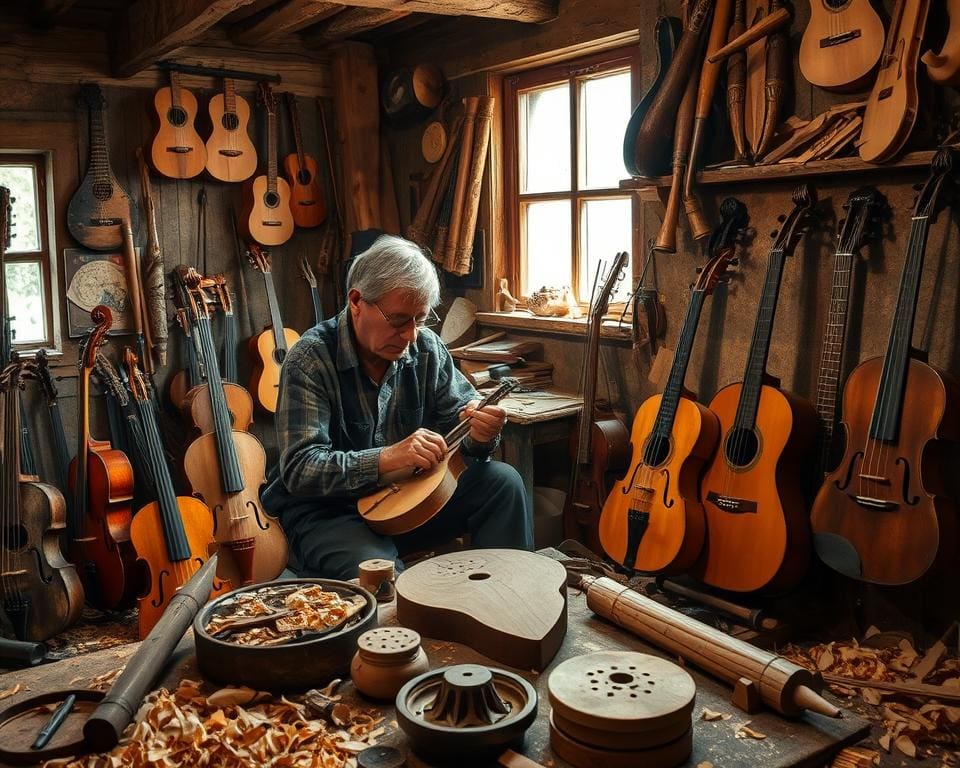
(193, 282)
(259, 257)
(223, 293)
(613, 278)
(92, 97)
(307, 271)
(733, 221)
(45, 377)
(865, 208)
(795, 224)
(935, 190)
(102, 320)
(268, 98)
(135, 380)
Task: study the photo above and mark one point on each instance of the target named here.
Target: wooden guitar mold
(507, 604)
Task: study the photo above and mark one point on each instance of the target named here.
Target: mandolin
(266, 215)
(100, 204)
(231, 155)
(864, 208)
(652, 520)
(226, 468)
(177, 150)
(601, 444)
(307, 205)
(49, 387)
(268, 348)
(758, 536)
(882, 515)
(98, 529)
(172, 534)
(407, 503)
(841, 45)
(42, 594)
(307, 271)
(892, 107)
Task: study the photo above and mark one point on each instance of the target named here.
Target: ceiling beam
(292, 16)
(530, 11)
(349, 23)
(45, 12)
(150, 29)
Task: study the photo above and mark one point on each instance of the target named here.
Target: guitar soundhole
(15, 537)
(102, 190)
(741, 447)
(279, 354)
(271, 199)
(230, 121)
(303, 176)
(177, 117)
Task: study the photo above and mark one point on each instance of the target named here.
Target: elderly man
(370, 393)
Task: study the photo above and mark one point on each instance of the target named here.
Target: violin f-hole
(849, 476)
(906, 483)
(256, 516)
(159, 600)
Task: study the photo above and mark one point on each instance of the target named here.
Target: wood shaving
(744, 732)
(709, 715)
(13, 691)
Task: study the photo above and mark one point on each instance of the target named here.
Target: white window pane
(545, 139)
(547, 245)
(604, 113)
(605, 230)
(25, 301)
(25, 226)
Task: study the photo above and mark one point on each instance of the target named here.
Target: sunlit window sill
(565, 326)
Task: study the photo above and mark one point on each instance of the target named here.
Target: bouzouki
(653, 520)
(268, 348)
(758, 535)
(407, 503)
(601, 444)
(98, 527)
(231, 155)
(177, 150)
(882, 515)
(307, 271)
(894, 101)
(841, 44)
(100, 204)
(266, 215)
(307, 205)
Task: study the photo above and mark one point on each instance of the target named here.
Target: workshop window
(27, 262)
(563, 139)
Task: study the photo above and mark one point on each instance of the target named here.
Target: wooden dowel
(770, 23)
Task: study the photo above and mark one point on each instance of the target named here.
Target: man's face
(386, 327)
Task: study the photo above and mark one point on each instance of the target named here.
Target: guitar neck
(229, 96)
(589, 392)
(297, 135)
(99, 160)
(317, 306)
(663, 426)
(279, 339)
(272, 151)
(175, 89)
(61, 449)
(78, 509)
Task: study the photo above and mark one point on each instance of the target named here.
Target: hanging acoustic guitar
(307, 205)
(177, 151)
(231, 155)
(841, 44)
(266, 215)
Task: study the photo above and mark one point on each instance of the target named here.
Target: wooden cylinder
(781, 684)
(463, 171)
(463, 248)
(373, 573)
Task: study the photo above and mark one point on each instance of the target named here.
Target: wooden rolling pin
(781, 684)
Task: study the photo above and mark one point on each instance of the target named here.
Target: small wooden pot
(385, 660)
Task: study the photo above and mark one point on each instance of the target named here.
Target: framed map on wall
(92, 278)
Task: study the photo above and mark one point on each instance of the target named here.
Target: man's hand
(486, 423)
(422, 450)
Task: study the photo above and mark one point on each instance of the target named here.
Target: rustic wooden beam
(149, 29)
(349, 23)
(292, 16)
(529, 11)
(45, 12)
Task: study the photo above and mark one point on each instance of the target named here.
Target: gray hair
(391, 263)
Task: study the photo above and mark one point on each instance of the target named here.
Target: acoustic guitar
(177, 150)
(841, 44)
(892, 107)
(758, 535)
(268, 348)
(882, 515)
(231, 155)
(100, 204)
(307, 205)
(652, 520)
(266, 216)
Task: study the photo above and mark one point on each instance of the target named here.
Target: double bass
(883, 516)
(101, 483)
(653, 520)
(172, 534)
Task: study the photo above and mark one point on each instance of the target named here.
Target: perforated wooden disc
(582, 755)
(648, 738)
(433, 143)
(620, 691)
(389, 642)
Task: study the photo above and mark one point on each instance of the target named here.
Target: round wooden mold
(582, 755)
(622, 692)
(386, 658)
(293, 666)
(19, 724)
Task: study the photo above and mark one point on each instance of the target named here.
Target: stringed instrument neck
(78, 509)
(297, 134)
(276, 321)
(230, 102)
(272, 151)
(672, 392)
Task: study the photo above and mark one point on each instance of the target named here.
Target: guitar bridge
(732, 504)
(272, 223)
(230, 152)
(843, 37)
(180, 150)
(883, 505)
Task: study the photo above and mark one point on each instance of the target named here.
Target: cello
(42, 594)
(226, 469)
(170, 535)
(653, 520)
(101, 484)
(882, 516)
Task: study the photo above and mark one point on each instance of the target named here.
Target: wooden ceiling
(143, 31)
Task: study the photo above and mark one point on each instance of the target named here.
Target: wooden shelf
(524, 321)
(787, 171)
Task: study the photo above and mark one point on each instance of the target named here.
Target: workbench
(809, 741)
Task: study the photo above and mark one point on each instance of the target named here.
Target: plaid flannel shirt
(332, 420)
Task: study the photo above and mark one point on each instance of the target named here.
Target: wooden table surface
(809, 741)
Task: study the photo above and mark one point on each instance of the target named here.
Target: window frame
(571, 71)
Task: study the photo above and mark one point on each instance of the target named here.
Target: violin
(226, 469)
(883, 515)
(101, 483)
(653, 520)
(407, 503)
(172, 534)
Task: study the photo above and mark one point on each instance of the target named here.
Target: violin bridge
(873, 503)
(876, 479)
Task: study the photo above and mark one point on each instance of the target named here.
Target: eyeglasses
(399, 322)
